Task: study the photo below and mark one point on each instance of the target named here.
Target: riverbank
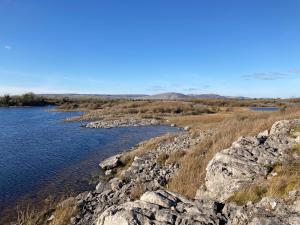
(139, 193)
(170, 166)
(43, 157)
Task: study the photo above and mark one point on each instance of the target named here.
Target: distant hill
(71, 95)
(179, 96)
(168, 96)
(162, 96)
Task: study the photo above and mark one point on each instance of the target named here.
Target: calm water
(38, 151)
(269, 109)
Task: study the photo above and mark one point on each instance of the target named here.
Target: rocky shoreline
(122, 122)
(138, 195)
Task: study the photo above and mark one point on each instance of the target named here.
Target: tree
(6, 100)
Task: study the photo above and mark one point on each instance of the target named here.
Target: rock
(246, 160)
(122, 122)
(162, 212)
(50, 218)
(187, 128)
(108, 172)
(100, 187)
(116, 183)
(111, 162)
(173, 125)
(263, 135)
(160, 198)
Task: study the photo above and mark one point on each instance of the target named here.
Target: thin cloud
(191, 89)
(267, 76)
(8, 47)
(156, 88)
(295, 71)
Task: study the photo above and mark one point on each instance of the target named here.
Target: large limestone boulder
(248, 159)
(161, 208)
(111, 162)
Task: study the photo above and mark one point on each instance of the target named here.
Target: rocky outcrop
(122, 122)
(165, 208)
(162, 208)
(246, 162)
(110, 162)
(248, 159)
(144, 174)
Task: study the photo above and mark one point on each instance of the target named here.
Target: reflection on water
(268, 109)
(38, 150)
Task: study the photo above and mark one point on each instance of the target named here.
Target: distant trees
(28, 99)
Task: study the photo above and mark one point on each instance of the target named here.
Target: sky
(235, 47)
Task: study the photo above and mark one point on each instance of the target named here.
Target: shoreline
(118, 197)
(122, 149)
(140, 177)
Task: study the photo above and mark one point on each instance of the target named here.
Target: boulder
(161, 198)
(248, 159)
(110, 162)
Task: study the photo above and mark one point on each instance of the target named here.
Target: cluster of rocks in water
(122, 122)
(243, 164)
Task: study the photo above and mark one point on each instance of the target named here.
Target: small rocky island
(134, 190)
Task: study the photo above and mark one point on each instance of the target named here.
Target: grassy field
(229, 128)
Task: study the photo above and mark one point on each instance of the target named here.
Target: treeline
(28, 99)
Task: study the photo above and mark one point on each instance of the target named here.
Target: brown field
(192, 166)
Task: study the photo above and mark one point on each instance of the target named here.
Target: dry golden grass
(286, 180)
(145, 109)
(253, 194)
(62, 212)
(192, 166)
(204, 121)
(137, 191)
(296, 149)
(147, 146)
(175, 157)
(162, 158)
(29, 217)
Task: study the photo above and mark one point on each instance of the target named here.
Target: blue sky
(233, 47)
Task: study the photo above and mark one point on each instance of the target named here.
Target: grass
(137, 191)
(193, 165)
(145, 147)
(297, 129)
(140, 108)
(253, 194)
(162, 158)
(286, 180)
(175, 157)
(296, 149)
(63, 211)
